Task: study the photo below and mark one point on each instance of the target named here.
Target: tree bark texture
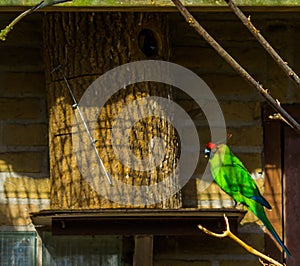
(87, 45)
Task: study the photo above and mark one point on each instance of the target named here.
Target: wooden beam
(146, 4)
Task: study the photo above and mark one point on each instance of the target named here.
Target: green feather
(232, 176)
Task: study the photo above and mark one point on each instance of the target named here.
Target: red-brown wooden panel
(282, 183)
(273, 180)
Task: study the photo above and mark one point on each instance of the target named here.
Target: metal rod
(76, 106)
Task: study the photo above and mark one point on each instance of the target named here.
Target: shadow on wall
(24, 173)
(21, 195)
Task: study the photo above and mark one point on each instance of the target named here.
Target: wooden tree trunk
(88, 45)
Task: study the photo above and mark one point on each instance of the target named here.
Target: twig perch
(42, 4)
(235, 65)
(7, 29)
(280, 62)
(228, 233)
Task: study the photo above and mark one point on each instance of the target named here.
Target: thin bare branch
(250, 249)
(235, 65)
(4, 32)
(7, 29)
(256, 33)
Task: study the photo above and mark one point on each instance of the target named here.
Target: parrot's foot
(238, 205)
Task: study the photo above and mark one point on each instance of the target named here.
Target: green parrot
(233, 178)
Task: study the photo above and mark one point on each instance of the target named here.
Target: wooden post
(282, 184)
(292, 189)
(273, 179)
(143, 251)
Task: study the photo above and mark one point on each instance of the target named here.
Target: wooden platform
(134, 221)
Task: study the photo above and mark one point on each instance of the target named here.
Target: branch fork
(228, 233)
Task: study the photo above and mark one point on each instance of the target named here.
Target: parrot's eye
(207, 152)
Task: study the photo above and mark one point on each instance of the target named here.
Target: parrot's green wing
(232, 176)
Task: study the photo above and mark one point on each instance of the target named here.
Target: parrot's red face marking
(210, 149)
(211, 146)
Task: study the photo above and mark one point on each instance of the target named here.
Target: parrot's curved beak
(207, 152)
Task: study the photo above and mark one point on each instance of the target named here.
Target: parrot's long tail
(262, 216)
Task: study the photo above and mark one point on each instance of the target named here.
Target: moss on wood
(154, 3)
